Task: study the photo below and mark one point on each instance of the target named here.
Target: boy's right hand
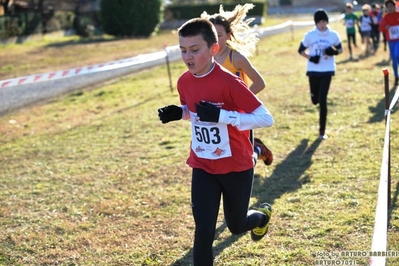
(170, 113)
(315, 59)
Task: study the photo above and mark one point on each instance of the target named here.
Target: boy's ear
(214, 49)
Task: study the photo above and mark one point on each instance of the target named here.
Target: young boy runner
(375, 33)
(351, 21)
(390, 26)
(380, 16)
(237, 41)
(365, 28)
(221, 110)
(321, 44)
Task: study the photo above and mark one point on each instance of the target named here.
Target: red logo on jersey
(218, 152)
(199, 149)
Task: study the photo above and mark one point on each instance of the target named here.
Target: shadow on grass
(384, 63)
(287, 177)
(378, 111)
(394, 200)
(348, 60)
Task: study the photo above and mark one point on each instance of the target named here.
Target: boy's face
(348, 10)
(390, 7)
(322, 25)
(196, 54)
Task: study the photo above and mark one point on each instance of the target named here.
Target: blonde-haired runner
(237, 41)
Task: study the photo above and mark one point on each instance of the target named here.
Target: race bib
(349, 23)
(394, 32)
(209, 140)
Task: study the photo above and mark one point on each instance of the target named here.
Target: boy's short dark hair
(389, 1)
(199, 26)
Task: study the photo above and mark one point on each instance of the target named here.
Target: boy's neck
(209, 71)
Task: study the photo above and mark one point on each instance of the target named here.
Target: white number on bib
(349, 23)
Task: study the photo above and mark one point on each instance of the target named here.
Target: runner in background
(320, 46)
(351, 21)
(237, 41)
(375, 22)
(365, 28)
(390, 26)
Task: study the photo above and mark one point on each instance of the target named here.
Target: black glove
(170, 113)
(207, 112)
(330, 51)
(315, 59)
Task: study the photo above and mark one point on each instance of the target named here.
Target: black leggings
(351, 39)
(375, 37)
(206, 192)
(319, 86)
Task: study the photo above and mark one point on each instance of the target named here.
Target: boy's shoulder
(185, 77)
(311, 32)
(391, 15)
(185, 74)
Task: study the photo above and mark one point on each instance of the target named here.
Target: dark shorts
(365, 33)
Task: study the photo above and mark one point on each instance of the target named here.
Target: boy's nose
(188, 55)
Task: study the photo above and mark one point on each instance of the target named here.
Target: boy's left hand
(330, 51)
(207, 112)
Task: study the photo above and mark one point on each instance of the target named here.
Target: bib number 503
(207, 135)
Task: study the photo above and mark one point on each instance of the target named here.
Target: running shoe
(259, 232)
(265, 154)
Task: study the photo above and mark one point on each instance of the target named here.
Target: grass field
(93, 177)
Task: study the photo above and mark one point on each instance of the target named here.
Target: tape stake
(385, 71)
(36, 78)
